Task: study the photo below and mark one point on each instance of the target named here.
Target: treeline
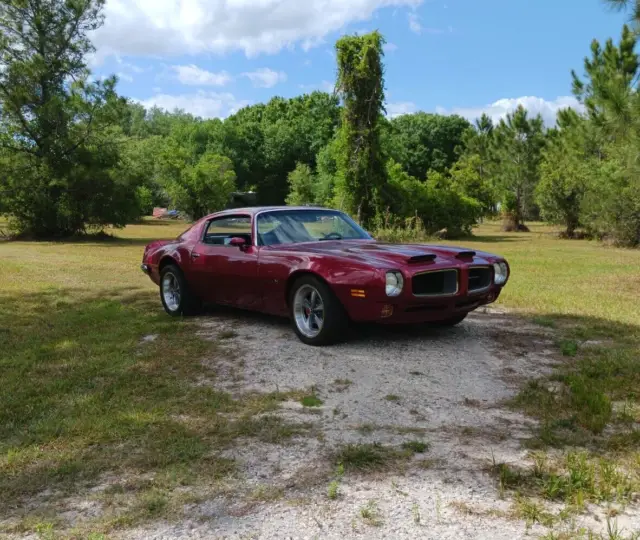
(76, 156)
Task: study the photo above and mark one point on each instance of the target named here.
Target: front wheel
(317, 315)
(451, 321)
(177, 298)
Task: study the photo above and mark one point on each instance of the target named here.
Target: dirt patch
(388, 386)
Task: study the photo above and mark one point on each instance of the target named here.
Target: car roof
(253, 210)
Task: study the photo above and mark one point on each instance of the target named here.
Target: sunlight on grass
(84, 397)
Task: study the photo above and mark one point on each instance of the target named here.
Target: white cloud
(534, 105)
(203, 104)
(124, 77)
(175, 27)
(400, 108)
(414, 23)
(129, 66)
(325, 86)
(192, 75)
(390, 47)
(265, 77)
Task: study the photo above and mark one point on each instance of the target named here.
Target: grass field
(97, 381)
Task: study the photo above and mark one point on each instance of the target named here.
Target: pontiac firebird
(321, 269)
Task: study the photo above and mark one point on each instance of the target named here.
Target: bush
(434, 202)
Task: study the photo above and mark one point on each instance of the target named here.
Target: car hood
(382, 254)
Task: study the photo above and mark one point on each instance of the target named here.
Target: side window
(221, 230)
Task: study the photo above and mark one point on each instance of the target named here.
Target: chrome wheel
(171, 291)
(308, 310)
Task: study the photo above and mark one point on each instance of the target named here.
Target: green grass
(369, 457)
(84, 397)
(417, 447)
(311, 401)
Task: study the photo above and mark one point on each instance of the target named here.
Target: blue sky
(211, 57)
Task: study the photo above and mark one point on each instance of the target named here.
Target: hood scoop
(466, 255)
(427, 257)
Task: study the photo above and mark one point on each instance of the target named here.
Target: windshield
(294, 226)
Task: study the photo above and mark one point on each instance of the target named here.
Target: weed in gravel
(392, 397)
(269, 429)
(415, 512)
(334, 490)
(365, 457)
(417, 447)
(532, 512)
(579, 478)
(311, 401)
(267, 493)
(227, 334)
(370, 514)
(569, 347)
(340, 385)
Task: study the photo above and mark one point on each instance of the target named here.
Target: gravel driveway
(385, 385)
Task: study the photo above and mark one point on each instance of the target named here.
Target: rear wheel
(451, 321)
(317, 315)
(177, 298)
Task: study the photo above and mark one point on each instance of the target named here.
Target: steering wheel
(332, 236)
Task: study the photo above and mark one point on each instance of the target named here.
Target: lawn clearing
(99, 384)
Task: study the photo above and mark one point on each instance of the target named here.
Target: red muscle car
(321, 269)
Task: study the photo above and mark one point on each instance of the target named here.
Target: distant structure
(240, 199)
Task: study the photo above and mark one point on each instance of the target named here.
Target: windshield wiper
(331, 236)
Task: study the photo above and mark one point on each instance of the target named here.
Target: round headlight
(394, 285)
(501, 273)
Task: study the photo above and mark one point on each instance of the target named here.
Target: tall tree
(53, 119)
(517, 145)
(360, 161)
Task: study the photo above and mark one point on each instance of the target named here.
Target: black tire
(335, 321)
(451, 321)
(188, 303)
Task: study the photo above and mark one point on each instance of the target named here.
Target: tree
(434, 201)
(202, 188)
(468, 176)
(360, 161)
(302, 186)
(54, 122)
(516, 149)
(422, 142)
(563, 180)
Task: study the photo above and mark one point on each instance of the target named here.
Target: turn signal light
(387, 311)
(357, 293)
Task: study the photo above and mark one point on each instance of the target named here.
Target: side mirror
(238, 242)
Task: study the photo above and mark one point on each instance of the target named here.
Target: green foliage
(563, 181)
(361, 171)
(302, 186)
(435, 202)
(516, 147)
(204, 187)
(60, 151)
(422, 142)
(469, 176)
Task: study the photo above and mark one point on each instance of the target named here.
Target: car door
(224, 273)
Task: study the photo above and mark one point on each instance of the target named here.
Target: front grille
(479, 278)
(438, 283)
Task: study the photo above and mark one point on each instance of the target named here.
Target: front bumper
(400, 311)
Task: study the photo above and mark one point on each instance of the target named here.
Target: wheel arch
(165, 261)
(297, 275)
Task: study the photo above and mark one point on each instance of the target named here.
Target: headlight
(395, 282)
(501, 272)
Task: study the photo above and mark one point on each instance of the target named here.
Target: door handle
(195, 255)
